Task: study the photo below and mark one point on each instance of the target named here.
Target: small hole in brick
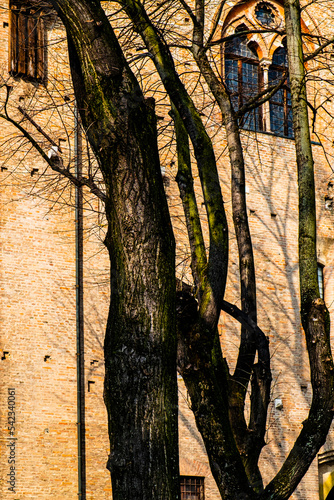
(33, 172)
(47, 358)
(90, 385)
(5, 355)
(303, 388)
(273, 215)
(186, 19)
(5, 25)
(252, 212)
(3, 169)
(94, 362)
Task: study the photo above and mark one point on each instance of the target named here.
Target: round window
(265, 14)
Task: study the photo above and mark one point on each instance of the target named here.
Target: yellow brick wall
(37, 297)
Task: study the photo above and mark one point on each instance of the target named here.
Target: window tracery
(265, 14)
(248, 70)
(242, 76)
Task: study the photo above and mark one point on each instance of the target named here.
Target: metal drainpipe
(81, 430)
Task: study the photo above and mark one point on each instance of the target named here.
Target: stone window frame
(262, 5)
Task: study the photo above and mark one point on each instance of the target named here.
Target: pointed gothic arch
(243, 75)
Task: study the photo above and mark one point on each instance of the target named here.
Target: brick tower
(38, 335)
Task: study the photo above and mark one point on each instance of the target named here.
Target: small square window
(192, 488)
(27, 41)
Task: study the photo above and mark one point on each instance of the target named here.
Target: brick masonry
(37, 297)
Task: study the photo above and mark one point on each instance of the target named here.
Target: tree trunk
(140, 355)
(140, 344)
(314, 314)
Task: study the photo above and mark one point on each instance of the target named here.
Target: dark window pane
(231, 75)
(280, 103)
(277, 119)
(242, 77)
(249, 121)
(275, 75)
(192, 488)
(250, 79)
(280, 57)
(239, 47)
(265, 14)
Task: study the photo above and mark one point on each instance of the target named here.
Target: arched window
(243, 76)
(280, 104)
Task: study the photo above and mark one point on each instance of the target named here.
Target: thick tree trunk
(140, 385)
(140, 345)
(206, 381)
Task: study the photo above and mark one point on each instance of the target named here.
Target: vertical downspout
(81, 431)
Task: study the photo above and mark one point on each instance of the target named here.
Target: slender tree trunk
(200, 359)
(249, 438)
(314, 314)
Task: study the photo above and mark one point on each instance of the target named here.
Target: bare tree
(145, 311)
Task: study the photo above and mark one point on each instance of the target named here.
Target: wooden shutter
(26, 43)
(12, 41)
(40, 48)
(31, 39)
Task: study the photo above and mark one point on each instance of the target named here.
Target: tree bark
(215, 277)
(250, 439)
(206, 380)
(212, 279)
(314, 313)
(140, 344)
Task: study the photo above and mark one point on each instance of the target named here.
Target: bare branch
(261, 97)
(56, 163)
(319, 50)
(189, 11)
(32, 121)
